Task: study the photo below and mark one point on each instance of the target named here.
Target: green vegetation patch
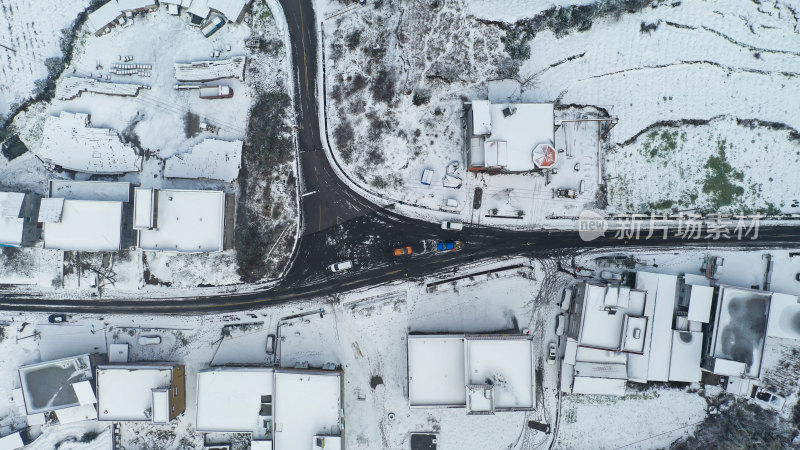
(720, 180)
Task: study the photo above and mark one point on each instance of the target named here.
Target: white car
(559, 325)
(340, 266)
(446, 225)
(551, 353)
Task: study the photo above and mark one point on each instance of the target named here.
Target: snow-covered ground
(365, 333)
(684, 79)
(161, 122)
(28, 37)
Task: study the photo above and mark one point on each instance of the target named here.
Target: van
(447, 225)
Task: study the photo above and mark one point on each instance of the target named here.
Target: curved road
(340, 225)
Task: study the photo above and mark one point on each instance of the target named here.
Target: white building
(69, 141)
(465, 371)
(12, 219)
(233, 10)
(183, 220)
(510, 137)
(212, 159)
(83, 215)
(617, 334)
(106, 16)
(281, 409)
(140, 392)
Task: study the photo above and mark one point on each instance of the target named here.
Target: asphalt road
(340, 225)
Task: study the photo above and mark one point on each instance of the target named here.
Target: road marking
(348, 283)
(394, 271)
(303, 40)
(319, 227)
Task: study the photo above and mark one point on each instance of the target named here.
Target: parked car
(403, 251)
(340, 266)
(270, 344)
(611, 276)
(449, 246)
(57, 318)
(149, 340)
(551, 353)
(565, 193)
(447, 225)
(560, 325)
(566, 299)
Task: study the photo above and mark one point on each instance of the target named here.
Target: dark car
(57, 318)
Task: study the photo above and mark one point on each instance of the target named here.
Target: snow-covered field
(684, 79)
(28, 37)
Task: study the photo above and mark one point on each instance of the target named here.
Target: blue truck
(449, 246)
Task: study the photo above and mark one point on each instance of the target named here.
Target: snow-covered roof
(47, 386)
(229, 399)
(598, 386)
(11, 442)
(144, 202)
(50, 210)
(133, 5)
(436, 371)
(521, 127)
(85, 226)
(72, 87)
(160, 405)
(700, 303)
(440, 367)
(199, 8)
(84, 392)
(741, 317)
(684, 363)
(784, 315)
(118, 353)
(696, 280)
(505, 364)
(187, 221)
(307, 404)
(11, 220)
(661, 337)
(79, 413)
(103, 16)
(211, 70)
(231, 9)
(126, 392)
(727, 367)
(114, 191)
(600, 370)
(604, 315)
(70, 142)
(213, 159)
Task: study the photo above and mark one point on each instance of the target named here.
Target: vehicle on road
(403, 251)
(565, 193)
(551, 353)
(560, 325)
(450, 246)
(566, 299)
(57, 318)
(770, 399)
(149, 340)
(270, 344)
(611, 276)
(340, 266)
(447, 225)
